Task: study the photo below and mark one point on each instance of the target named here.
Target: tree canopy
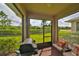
(4, 20)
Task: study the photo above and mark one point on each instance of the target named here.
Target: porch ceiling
(47, 10)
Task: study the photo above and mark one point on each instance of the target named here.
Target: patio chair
(26, 50)
(62, 46)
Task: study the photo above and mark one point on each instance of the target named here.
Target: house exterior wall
(77, 26)
(73, 26)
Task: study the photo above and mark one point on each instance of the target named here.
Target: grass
(39, 37)
(18, 38)
(64, 33)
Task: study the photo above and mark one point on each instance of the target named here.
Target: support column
(22, 28)
(54, 35)
(27, 27)
(43, 32)
(54, 30)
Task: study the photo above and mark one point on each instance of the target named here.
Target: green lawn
(18, 38)
(39, 37)
(64, 33)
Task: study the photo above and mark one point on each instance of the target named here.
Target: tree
(43, 22)
(4, 19)
(2, 15)
(3, 22)
(8, 23)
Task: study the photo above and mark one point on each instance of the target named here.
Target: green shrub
(10, 32)
(7, 46)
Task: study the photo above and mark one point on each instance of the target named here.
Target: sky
(13, 16)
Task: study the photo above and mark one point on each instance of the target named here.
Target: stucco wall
(77, 26)
(73, 26)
